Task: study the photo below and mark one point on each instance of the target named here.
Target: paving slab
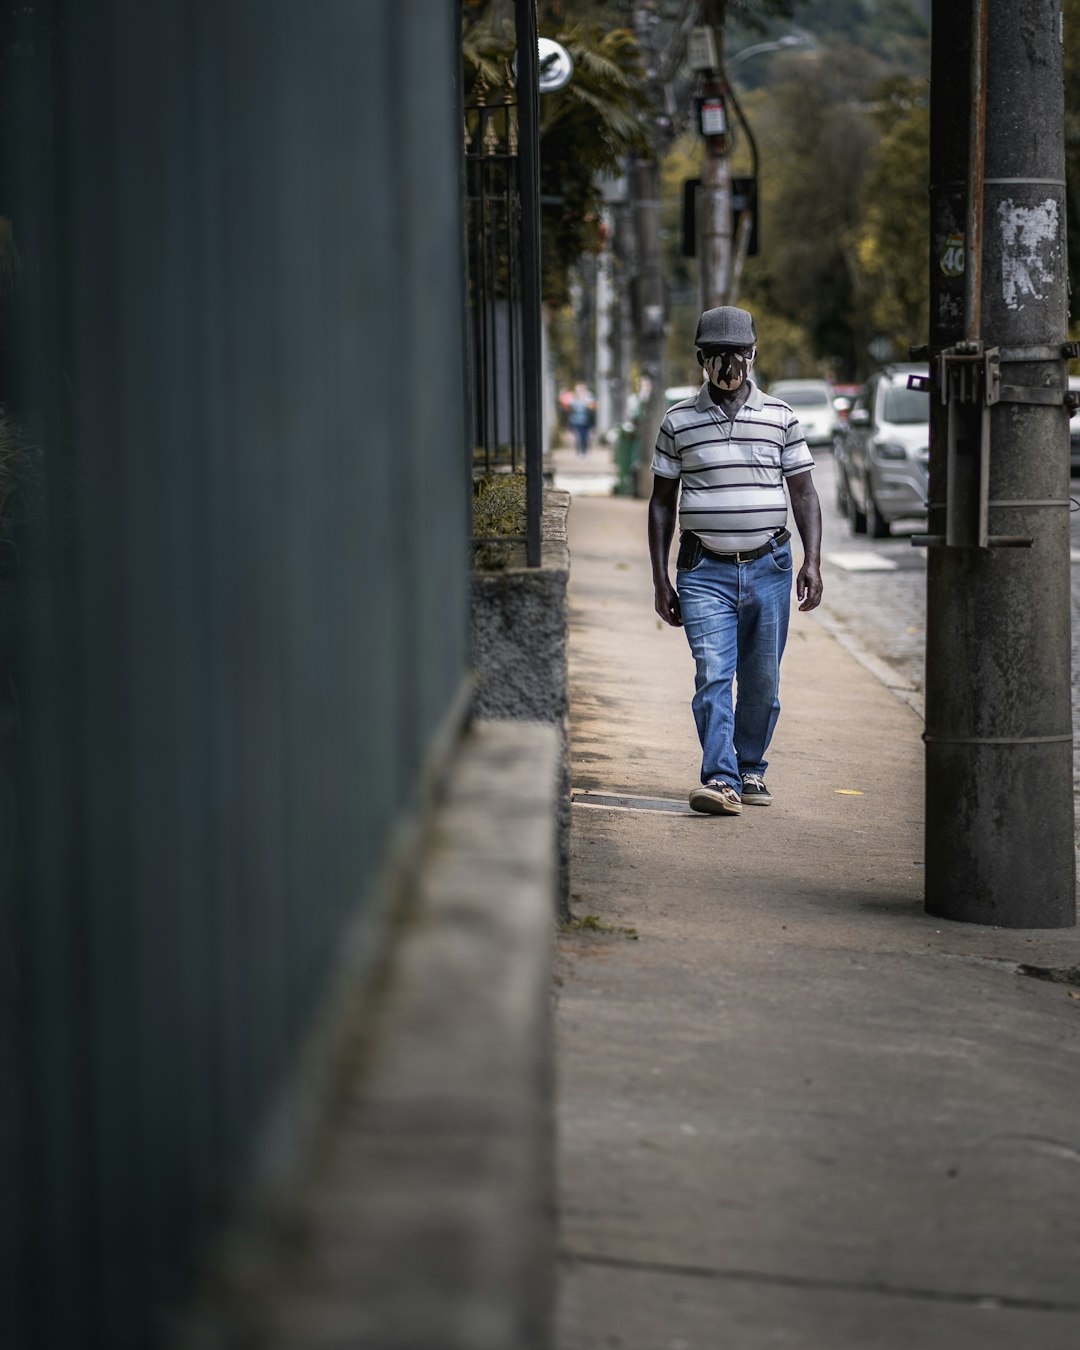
(794, 1110)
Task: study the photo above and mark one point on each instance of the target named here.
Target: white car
(883, 458)
(812, 401)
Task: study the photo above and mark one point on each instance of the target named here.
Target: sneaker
(718, 799)
(754, 791)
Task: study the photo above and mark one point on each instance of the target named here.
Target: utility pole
(999, 795)
(623, 263)
(650, 299)
(714, 196)
(651, 312)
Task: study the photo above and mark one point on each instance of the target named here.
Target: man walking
(731, 449)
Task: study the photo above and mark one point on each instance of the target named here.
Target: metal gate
(503, 243)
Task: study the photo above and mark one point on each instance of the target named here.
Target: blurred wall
(233, 611)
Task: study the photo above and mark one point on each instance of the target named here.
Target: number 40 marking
(952, 255)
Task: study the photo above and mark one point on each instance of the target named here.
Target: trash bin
(626, 454)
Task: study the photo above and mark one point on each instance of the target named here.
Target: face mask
(728, 370)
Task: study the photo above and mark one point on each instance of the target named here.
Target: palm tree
(587, 129)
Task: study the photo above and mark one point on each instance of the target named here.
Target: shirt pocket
(765, 457)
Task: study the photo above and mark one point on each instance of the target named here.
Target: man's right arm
(662, 508)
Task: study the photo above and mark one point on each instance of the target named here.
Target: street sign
(952, 255)
(556, 65)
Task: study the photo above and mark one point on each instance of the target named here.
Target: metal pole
(976, 173)
(714, 197)
(999, 781)
(528, 91)
(621, 343)
(741, 243)
(651, 313)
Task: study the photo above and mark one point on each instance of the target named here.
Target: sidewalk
(592, 474)
(793, 1110)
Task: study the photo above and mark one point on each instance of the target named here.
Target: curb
(426, 1218)
(881, 670)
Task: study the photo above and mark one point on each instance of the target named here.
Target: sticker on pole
(713, 116)
(952, 255)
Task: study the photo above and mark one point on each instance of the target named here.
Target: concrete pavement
(793, 1110)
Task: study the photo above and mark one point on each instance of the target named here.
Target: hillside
(893, 34)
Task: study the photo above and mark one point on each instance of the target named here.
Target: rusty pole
(976, 173)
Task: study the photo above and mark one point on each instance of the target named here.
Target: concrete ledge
(428, 1220)
(519, 635)
(519, 630)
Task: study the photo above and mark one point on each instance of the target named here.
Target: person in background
(582, 415)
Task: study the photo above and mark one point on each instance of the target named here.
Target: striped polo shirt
(732, 490)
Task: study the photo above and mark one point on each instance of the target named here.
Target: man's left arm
(806, 509)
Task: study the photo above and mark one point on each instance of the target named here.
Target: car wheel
(876, 524)
(856, 518)
(841, 491)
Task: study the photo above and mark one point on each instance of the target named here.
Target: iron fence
(495, 285)
(503, 262)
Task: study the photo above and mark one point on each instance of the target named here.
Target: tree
(893, 32)
(587, 130)
(815, 139)
(891, 238)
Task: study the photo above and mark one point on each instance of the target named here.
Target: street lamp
(786, 42)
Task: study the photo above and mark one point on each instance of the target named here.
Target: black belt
(778, 540)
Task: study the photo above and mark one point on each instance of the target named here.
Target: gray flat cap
(725, 327)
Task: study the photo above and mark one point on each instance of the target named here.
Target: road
(875, 596)
(875, 589)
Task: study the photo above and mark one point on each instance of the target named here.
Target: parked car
(1074, 430)
(882, 458)
(812, 401)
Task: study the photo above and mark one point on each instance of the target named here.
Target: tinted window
(901, 404)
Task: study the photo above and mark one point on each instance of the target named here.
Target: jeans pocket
(691, 552)
(781, 558)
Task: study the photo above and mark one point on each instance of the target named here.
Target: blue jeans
(736, 621)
